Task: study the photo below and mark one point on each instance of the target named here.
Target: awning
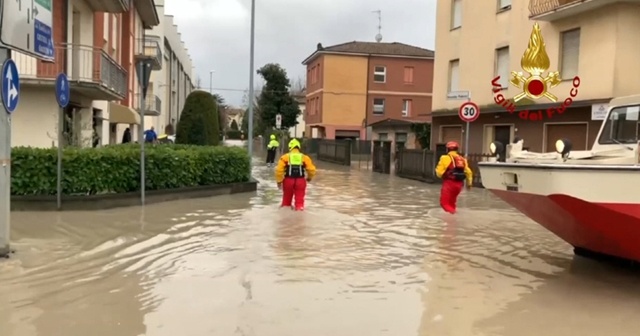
(120, 114)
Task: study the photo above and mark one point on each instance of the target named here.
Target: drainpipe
(366, 97)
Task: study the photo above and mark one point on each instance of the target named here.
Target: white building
(170, 85)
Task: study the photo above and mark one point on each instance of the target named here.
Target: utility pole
(251, 75)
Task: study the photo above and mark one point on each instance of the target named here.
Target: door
(503, 135)
(451, 133)
(576, 133)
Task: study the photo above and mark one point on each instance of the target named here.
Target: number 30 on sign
(469, 112)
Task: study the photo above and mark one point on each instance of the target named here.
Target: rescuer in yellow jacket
(454, 171)
(293, 172)
(272, 148)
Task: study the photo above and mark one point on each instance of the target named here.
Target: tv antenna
(379, 35)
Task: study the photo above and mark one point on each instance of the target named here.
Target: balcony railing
(91, 71)
(538, 7)
(149, 48)
(550, 10)
(152, 105)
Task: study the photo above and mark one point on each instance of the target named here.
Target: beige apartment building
(476, 41)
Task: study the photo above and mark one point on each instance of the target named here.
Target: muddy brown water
(372, 255)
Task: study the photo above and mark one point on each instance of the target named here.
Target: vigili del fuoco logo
(535, 85)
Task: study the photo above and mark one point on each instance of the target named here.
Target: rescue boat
(590, 199)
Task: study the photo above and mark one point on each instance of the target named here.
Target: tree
(298, 86)
(423, 134)
(234, 125)
(258, 128)
(198, 124)
(222, 111)
(275, 98)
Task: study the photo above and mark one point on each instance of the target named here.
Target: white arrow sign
(12, 92)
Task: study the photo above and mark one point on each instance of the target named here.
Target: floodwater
(371, 255)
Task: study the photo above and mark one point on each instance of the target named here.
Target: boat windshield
(621, 126)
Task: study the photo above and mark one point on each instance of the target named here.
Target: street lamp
(211, 81)
(251, 70)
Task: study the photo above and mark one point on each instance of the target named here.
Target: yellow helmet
(294, 143)
(273, 136)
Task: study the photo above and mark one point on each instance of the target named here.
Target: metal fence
(382, 157)
(420, 165)
(335, 151)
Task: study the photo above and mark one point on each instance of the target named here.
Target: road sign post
(143, 69)
(468, 112)
(62, 97)
(27, 26)
(10, 87)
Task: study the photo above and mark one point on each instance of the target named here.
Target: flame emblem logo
(535, 62)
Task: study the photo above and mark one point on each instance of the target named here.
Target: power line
(337, 93)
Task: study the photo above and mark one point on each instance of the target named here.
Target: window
(379, 74)
(570, 53)
(621, 126)
(454, 75)
(317, 72)
(383, 136)
(378, 106)
(502, 66)
(401, 137)
(406, 107)
(456, 14)
(504, 4)
(408, 75)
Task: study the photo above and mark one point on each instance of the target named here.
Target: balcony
(552, 10)
(109, 6)
(152, 105)
(91, 71)
(148, 48)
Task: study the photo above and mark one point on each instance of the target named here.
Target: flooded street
(371, 255)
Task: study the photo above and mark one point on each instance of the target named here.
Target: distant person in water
(454, 171)
(272, 148)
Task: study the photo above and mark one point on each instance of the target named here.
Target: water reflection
(372, 255)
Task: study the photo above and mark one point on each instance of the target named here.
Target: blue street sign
(10, 86)
(62, 90)
(43, 40)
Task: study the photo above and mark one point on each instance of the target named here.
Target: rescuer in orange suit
(293, 171)
(454, 171)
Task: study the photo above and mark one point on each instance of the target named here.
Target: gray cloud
(217, 32)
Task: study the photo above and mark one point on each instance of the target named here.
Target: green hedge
(116, 169)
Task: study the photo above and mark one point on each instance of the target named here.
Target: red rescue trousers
(449, 194)
(294, 187)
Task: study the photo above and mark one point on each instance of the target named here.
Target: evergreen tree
(234, 125)
(198, 124)
(275, 98)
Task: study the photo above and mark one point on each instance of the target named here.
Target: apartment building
(355, 86)
(170, 84)
(479, 40)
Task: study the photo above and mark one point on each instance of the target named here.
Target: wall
(35, 121)
(344, 90)
(605, 33)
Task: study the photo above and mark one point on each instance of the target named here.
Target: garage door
(451, 133)
(576, 133)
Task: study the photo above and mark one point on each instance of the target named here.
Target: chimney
(320, 46)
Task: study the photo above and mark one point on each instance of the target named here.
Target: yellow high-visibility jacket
(445, 162)
(309, 167)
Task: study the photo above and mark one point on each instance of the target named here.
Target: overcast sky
(217, 32)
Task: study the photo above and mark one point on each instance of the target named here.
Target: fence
(420, 165)
(334, 151)
(382, 157)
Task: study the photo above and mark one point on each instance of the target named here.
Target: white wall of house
(298, 130)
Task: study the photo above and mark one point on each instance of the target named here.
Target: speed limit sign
(469, 112)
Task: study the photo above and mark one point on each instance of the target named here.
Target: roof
(393, 49)
(392, 122)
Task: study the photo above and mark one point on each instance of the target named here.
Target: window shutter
(457, 14)
(570, 53)
(504, 3)
(503, 66)
(454, 75)
(408, 75)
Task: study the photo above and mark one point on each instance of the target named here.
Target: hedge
(116, 169)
